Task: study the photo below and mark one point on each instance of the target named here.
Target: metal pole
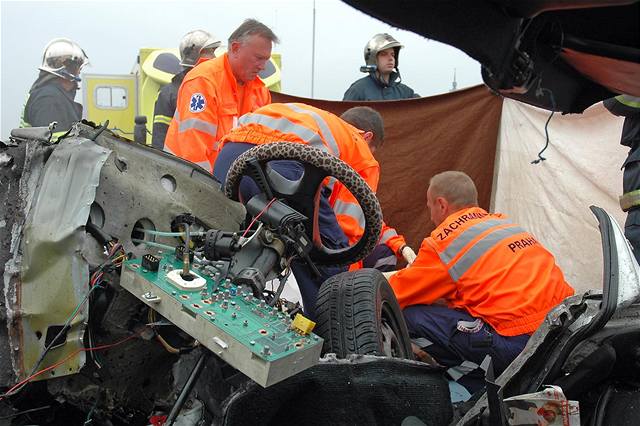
(313, 48)
(188, 386)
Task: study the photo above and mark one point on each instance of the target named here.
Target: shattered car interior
(122, 281)
(134, 291)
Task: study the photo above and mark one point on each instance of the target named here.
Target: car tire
(357, 313)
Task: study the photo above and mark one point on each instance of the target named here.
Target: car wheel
(357, 313)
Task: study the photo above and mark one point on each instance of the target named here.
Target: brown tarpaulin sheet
(454, 131)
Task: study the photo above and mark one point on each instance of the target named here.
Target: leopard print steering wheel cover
(330, 164)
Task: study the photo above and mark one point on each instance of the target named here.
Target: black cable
(283, 281)
(31, 410)
(539, 92)
(99, 130)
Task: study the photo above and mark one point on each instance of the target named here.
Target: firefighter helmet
(377, 44)
(193, 44)
(64, 58)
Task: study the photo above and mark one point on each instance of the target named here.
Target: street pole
(313, 48)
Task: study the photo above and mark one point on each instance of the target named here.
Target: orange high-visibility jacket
(300, 123)
(490, 267)
(208, 106)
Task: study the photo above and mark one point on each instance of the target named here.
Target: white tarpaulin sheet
(551, 199)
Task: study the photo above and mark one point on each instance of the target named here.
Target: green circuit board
(265, 331)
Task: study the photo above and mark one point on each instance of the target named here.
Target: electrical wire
(94, 283)
(88, 419)
(170, 234)
(55, 339)
(539, 92)
(94, 356)
(153, 244)
(546, 145)
(283, 281)
(151, 316)
(254, 235)
(31, 410)
(258, 216)
(21, 384)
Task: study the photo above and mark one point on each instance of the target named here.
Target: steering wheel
(304, 194)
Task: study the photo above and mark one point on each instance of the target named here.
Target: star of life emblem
(198, 103)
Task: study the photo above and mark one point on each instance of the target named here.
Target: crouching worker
(480, 286)
(300, 123)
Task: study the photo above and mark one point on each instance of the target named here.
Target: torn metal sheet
(18, 183)
(55, 275)
(116, 185)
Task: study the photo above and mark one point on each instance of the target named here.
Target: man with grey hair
(480, 286)
(217, 92)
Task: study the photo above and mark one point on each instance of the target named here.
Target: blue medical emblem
(198, 103)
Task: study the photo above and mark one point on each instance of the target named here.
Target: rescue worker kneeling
(480, 286)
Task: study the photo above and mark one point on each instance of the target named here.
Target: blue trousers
(381, 258)
(461, 342)
(332, 235)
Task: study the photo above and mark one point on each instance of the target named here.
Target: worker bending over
(300, 123)
(391, 245)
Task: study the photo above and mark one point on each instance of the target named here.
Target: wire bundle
(115, 256)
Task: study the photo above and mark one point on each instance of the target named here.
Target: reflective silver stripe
(467, 236)
(324, 127)
(332, 183)
(197, 124)
(286, 126)
(480, 248)
(349, 209)
(387, 235)
(386, 261)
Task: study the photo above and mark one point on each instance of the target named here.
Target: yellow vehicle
(120, 98)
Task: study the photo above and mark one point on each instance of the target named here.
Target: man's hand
(408, 254)
(421, 355)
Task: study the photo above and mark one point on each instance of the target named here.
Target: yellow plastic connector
(302, 325)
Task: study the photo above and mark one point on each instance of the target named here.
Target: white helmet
(193, 44)
(377, 44)
(64, 58)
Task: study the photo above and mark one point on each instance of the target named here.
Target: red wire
(256, 218)
(76, 352)
(94, 279)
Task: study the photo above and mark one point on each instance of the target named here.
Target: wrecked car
(129, 278)
(121, 358)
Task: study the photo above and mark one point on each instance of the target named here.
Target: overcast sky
(112, 32)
